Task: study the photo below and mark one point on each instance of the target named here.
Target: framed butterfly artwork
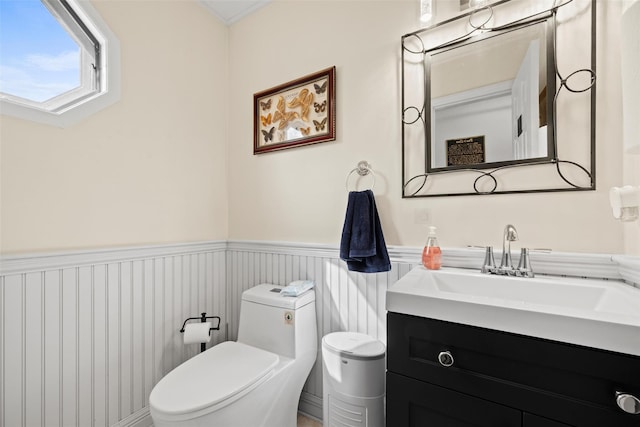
(296, 113)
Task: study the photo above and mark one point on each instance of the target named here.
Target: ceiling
(230, 11)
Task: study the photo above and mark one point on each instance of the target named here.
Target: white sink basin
(558, 292)
(595, 313)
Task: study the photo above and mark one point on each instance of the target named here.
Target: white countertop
(602, 314)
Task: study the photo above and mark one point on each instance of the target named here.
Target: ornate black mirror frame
(569, 164)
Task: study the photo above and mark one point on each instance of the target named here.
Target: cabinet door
(413, 403)
(572, 384)
(530, 420)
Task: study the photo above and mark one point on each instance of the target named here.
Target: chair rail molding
(29, 262)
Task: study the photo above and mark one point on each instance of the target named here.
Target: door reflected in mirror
(488, 100)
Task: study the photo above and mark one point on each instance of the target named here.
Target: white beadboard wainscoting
(86, 335)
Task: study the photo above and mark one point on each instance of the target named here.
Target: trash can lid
(353, 345)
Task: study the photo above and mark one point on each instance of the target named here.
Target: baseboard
(140, 418)
(310, 405)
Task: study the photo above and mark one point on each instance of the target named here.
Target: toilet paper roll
(197, 333)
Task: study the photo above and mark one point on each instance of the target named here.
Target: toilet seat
(211, 380)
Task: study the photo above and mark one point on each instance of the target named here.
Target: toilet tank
(279, 324)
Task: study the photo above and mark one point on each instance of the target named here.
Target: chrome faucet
(510, 235)
(506, 265)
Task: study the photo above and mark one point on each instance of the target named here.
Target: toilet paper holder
(203, 318)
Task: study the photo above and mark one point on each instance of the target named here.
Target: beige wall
(632, 229)
(300, 195)
(631, 162)
(146, 170)
(149, 169)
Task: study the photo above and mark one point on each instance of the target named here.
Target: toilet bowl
(253, 382)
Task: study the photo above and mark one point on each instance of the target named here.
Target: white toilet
(254, 382)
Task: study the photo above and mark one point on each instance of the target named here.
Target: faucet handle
(489, 262)
(524, 266)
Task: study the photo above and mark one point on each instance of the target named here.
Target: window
(53, 57)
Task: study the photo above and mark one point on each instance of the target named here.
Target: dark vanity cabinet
(443, 374)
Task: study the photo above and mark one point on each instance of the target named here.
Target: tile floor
(306, 421)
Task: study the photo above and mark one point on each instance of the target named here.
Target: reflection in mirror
(488, 108)
(501, 87)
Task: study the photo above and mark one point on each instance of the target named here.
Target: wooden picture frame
(297, 113)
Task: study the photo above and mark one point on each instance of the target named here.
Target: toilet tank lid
(353, 345)
(269, 294)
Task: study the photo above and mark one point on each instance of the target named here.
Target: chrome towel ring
(363, 169)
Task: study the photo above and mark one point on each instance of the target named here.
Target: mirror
(484, 97)
(488, 109)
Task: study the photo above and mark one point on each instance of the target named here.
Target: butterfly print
(305, 131)
(283, 116)
(266, 120)
(320, 107)
(320, 89)
(319, 125)
(303, 100)
(265, 105)
(268, 136)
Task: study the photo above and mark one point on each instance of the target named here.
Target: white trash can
(353, 368)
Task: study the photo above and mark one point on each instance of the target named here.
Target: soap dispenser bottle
(431, 254)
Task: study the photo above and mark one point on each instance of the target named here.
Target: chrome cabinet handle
(445, 358)
(628, 402)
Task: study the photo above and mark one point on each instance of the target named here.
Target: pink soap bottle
(431, 254)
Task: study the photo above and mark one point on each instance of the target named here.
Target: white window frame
(98, 91)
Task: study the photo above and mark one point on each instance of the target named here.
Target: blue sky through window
(38, 58)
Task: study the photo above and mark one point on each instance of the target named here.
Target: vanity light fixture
(476, 4)
(625, 202)
(427, 10)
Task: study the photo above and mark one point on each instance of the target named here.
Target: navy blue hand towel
(362, 245)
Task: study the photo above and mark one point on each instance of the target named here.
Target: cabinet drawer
(416, 403)
(540, 376)
(529, 420)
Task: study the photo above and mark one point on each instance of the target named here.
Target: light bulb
(426, 10)
(474, 4)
